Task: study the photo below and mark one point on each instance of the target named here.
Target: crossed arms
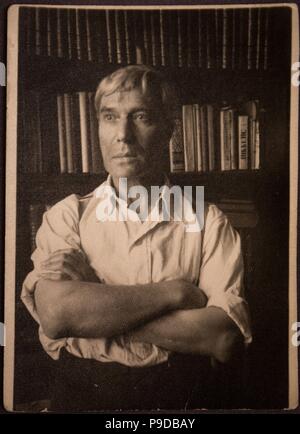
(171, 314)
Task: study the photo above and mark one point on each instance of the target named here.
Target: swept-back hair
(149, 81)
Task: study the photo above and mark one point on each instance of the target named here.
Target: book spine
(200, 40)
(79, 53)
(252, 142)
(190, 37)
(147, 37)
(61, 134)
(209, 42)
(211, 138)
(43, 18)
(68, 124)
(73, 42)
(139, 37)
(243, 38)
(128, 42)
(197, 137)
(118, 36)
(155, 38)
(84, 132)
(233, 40)
(232, 135)
(258, 40)
(37, 31)
(225, 139)
(243, 140)
(204, 147)
(172, 38)
(76, 138)
(29, 31)
(179, 39)
(162, 37)
(99, 37)
(266, 41)
(188, 138)
(59, 33)
(225, 41)
(176, 148)
(108, 15)
(218, 38)
(88, 37)
(257, 145)
(49, 33)
(249, 38)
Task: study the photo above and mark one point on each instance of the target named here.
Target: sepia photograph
(151, 206)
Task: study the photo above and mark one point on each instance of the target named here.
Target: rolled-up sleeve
(59, 230)
(222, 270)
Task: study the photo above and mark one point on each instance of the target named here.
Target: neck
(146, 181)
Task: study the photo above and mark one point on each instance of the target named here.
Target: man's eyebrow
(107, 109)
(137, 109)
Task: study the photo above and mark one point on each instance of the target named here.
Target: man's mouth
(125, 156)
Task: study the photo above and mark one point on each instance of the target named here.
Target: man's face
(132, 134)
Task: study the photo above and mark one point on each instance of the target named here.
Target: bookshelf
(215, 56)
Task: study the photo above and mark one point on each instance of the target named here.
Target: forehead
(130, 99)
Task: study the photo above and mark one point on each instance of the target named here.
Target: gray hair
(149, 81)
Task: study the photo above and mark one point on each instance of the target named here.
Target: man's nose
(124, 132)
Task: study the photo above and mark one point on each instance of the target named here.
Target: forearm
(85, 309)
(207, 331)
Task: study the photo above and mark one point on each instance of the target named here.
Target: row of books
(208, 137)
(219, 38)
(67, 144)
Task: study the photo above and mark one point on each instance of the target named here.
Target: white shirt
(135, 252)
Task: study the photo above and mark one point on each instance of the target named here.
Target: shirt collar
(106, 189)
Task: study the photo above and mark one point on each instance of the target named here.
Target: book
(188, 138)
(198, 136)
(243, 141)
(69, 141)
(176, 147)
(224, 39)
(61, 134)
(225, 146)
(84, 131)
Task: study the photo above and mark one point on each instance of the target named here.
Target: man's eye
(109, 117)
(142, 117)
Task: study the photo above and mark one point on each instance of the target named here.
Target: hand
(67, 264)
(191, 296)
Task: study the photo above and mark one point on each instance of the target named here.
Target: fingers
(54, 276)
(65, 254)
(65, 258)
(64, 268)
(70, 262)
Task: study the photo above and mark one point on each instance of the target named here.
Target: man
(133, 310)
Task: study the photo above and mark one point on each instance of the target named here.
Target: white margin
(10, 205)
(294, 92)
